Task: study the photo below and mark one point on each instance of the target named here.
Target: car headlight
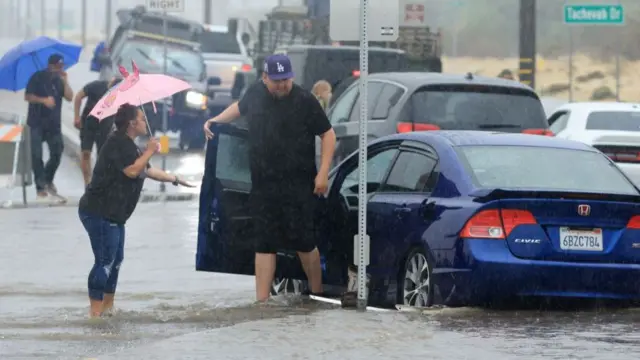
(196, 100)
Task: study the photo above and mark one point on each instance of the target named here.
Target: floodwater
(166, 310)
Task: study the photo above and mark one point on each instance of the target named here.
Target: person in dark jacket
(110, 199)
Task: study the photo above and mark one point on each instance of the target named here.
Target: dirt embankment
(593, 80)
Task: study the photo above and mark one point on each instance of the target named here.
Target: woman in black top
(110, 199)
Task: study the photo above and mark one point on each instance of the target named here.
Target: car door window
(388, 98)
(374, 90)
(232, 159)
(377, 168)
(558, 121)
(342, 108)
(412, 172)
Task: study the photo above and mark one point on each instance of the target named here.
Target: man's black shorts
(284, 223)
(94, 131)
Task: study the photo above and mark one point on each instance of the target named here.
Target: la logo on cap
(280, 67)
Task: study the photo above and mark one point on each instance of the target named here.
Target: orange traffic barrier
(10, 133)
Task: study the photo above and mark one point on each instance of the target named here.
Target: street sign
(382, 20)
(412, 13)
(166, 5)
(594, 14)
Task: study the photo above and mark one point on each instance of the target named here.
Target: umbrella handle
(146, 120)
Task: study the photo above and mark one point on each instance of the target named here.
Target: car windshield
(463, 107)
(148, 55)
(542, 168)
(614, 120)
(219, 42)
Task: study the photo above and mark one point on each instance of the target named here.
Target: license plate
(581, 240)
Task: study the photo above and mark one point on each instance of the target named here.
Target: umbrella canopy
(21, 62)
(137, 89)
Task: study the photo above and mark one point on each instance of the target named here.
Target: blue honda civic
(454, 218)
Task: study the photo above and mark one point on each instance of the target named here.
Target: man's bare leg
(265, 271)
(96, 308)
(313, 269)
(85, 166)
(107, 302)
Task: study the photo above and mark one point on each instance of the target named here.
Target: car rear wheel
(416, 285)
(283, 286)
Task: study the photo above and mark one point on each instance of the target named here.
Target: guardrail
(15, 153)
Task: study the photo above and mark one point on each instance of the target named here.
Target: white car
(613, 128)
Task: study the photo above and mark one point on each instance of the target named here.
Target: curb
(73, 202)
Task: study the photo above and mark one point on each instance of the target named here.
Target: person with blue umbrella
(39, 65)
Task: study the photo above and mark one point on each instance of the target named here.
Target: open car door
(225, 242)
(225, 227)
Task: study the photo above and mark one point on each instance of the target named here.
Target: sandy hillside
(552, 75)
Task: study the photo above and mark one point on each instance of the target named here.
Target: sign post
(381, 24)
(606, 14)
(165, 6)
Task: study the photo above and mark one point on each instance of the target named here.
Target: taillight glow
(634, 222)
(496, 224)
(246, 67)
(356, 73)
(543, 132)
(405, 127)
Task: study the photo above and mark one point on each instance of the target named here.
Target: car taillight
(543, 132)
(246, 67)
(634, 222)
(356, 73)
(496, 224)
(404, 127)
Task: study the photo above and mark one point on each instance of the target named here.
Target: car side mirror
(246, 38)
(214, 81)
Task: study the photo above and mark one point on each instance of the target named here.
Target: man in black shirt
(111, 198)
(283, 121)
(44, 93)
(92, 130)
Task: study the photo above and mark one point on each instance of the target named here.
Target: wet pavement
(166, 310)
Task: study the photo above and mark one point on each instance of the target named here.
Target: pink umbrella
(137, 89)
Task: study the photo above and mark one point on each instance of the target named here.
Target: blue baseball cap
(278, 67)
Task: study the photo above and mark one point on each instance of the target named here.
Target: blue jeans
(107, 243)
(44, 173)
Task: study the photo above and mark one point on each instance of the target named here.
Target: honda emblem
(584, 210)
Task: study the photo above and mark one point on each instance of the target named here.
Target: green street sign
(594, 14)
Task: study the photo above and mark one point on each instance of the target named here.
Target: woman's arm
(162, 176)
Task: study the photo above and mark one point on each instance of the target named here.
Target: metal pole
(107, 23)
(43, 18)
(618, 43)
(83, 22)
(27, 34)
(362, 239)
(165, 114)
(570, 64)
(207, 11)
(60, 8)
(18, 16)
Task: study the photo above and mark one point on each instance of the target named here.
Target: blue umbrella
(19, 63)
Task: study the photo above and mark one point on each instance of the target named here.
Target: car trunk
(573, 227)
(620, 146)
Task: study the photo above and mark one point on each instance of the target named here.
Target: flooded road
(166, 310)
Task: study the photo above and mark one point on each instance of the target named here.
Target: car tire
(284, 286)
(415, 281)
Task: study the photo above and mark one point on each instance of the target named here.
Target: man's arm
(31, 90)
(77, 103)
(319, 125)
(68, 93)
(229, 114)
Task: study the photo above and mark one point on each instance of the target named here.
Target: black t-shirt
(44, 84)
(94, 90)
(282, 137)
(111, 194)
